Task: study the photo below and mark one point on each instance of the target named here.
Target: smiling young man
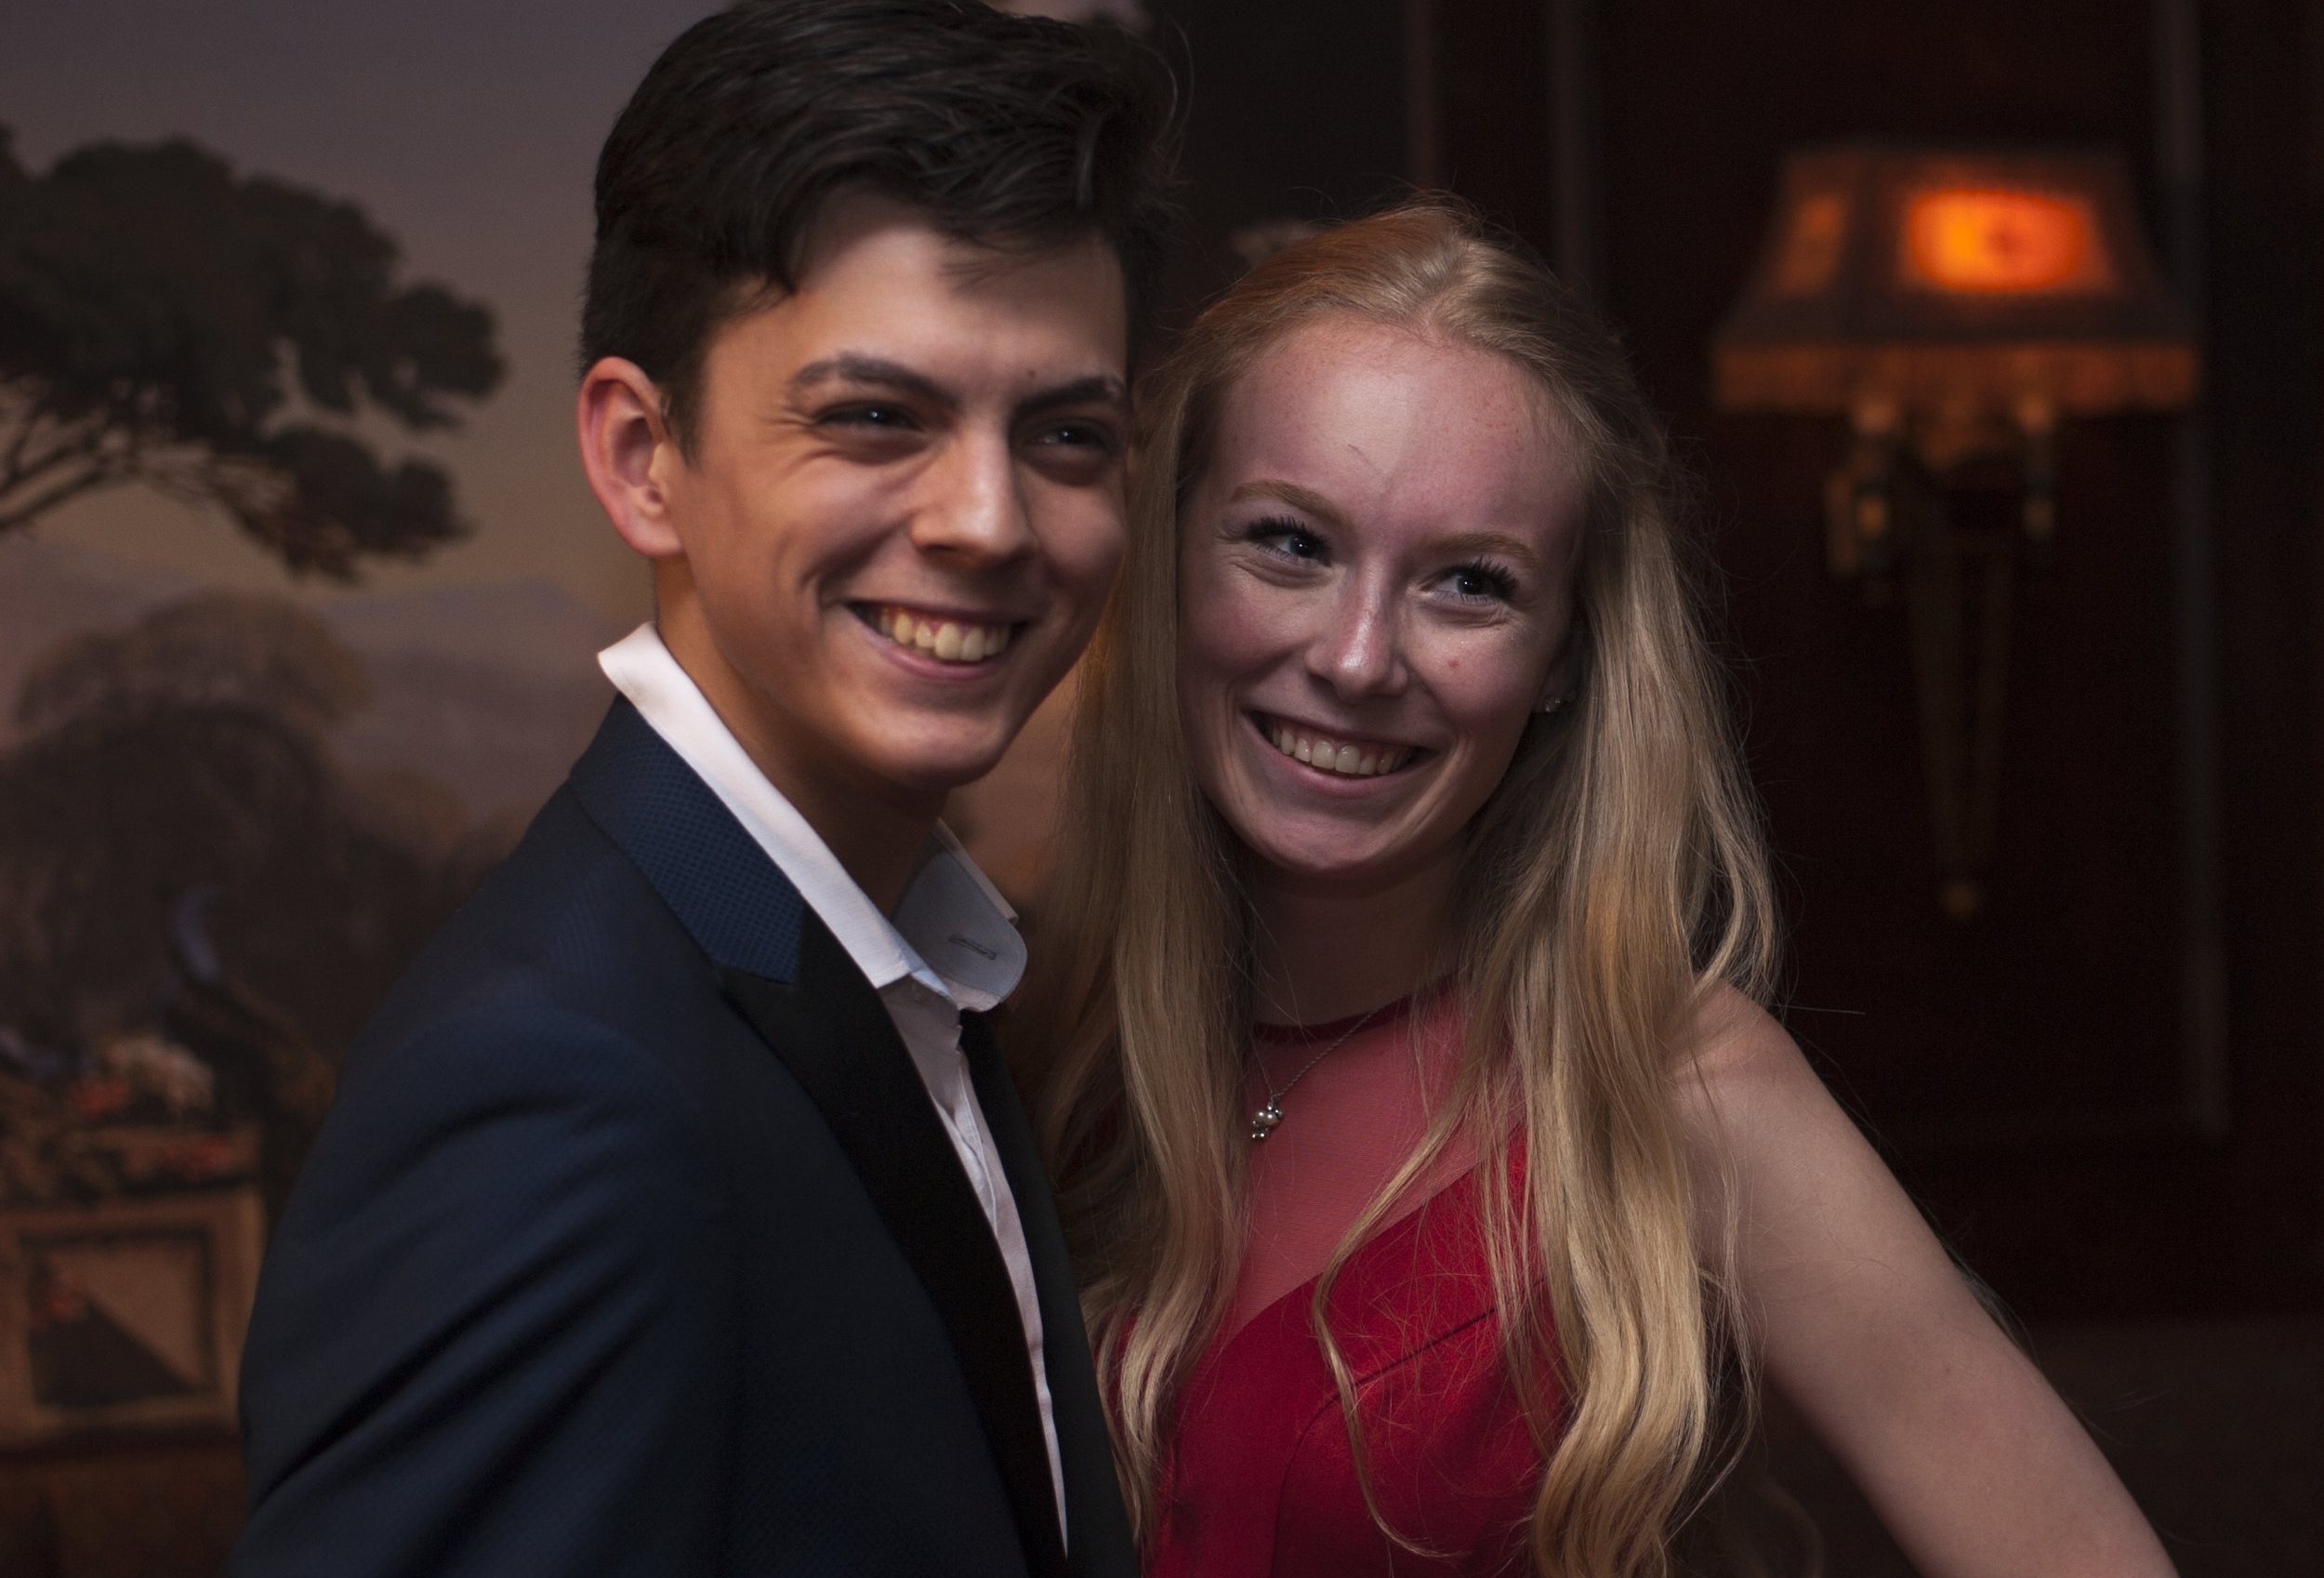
(676, 1215)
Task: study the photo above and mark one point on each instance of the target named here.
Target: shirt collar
(953, 932)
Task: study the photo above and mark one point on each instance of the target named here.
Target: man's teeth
(943, 639)
(1355, 761)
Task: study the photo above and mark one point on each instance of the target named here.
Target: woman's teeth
(943, 639)
(1355, 761)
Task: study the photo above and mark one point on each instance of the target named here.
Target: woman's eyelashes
(1481, 580)
(1289, 538)
(1473, 582)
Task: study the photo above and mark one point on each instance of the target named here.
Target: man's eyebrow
(1097, 389)
(1297, 498)
(848, 367)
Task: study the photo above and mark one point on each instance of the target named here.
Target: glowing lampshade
(1954, 280)
(1966, 240)
(1952, 306)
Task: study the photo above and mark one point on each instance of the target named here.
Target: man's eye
(883, 417)
(1094, 436)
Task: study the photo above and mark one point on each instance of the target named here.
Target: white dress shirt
(952, 946)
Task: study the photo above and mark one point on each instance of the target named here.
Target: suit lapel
(733, 900)
(832, 1031)
(1099, 1544)
(805, 997)
(819, 1013)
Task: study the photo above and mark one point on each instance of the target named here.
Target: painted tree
(163, 320)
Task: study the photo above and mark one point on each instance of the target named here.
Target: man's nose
(1358, 651)
(975, 509)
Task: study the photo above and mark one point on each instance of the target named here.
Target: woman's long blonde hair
(1615, 879)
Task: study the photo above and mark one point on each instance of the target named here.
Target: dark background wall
(2013, 1058)
(1296, 112)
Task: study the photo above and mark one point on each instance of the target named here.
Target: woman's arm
(1971, 1461)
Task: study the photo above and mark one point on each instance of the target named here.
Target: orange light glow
(1811, 252)
(2000, 242)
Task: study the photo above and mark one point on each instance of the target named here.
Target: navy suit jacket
(633, 1245)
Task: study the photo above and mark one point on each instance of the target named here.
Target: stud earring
(1555, 703)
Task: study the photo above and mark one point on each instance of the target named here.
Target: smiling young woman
(1374, 589)
(1440, 1189)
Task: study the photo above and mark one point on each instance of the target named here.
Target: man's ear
(629, 455)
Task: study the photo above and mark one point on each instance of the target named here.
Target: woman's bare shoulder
(1736, 1061)
(1757, 1124)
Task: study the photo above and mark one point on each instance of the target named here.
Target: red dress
(1263, 1476)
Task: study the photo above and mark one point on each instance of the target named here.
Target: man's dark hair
(1014, 132)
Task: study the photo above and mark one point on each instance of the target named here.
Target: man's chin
(939, 767)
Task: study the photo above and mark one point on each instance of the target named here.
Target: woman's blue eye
(1481, 580)
(1286, 536)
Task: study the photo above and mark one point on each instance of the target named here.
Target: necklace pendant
(1263, 1121)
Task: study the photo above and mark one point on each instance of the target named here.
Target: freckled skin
(1413, 589)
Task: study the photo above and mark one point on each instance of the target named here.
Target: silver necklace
(1263, 1121)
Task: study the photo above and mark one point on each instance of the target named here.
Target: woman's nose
(1357, 650)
